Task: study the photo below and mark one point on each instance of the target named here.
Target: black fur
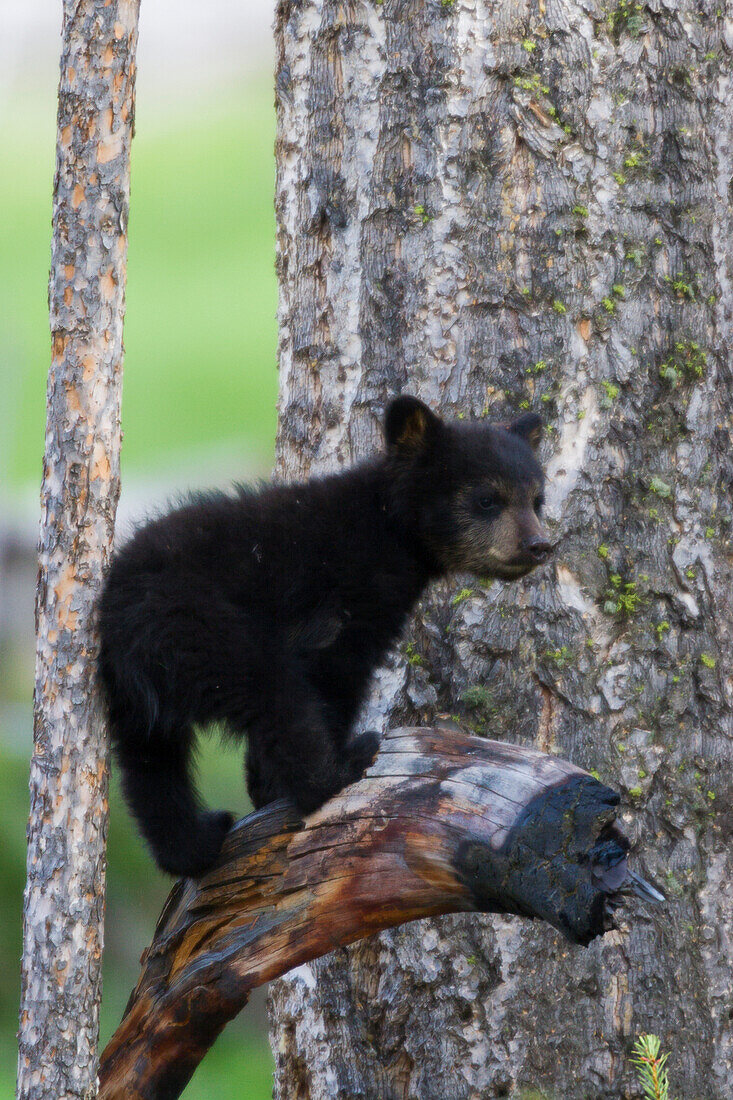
(269, 610)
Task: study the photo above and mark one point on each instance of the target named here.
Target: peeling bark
(64, 898)
(499, 206)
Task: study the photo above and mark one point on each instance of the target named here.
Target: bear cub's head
(471, 494)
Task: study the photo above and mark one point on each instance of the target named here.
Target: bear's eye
(489, 504)
(539, 502)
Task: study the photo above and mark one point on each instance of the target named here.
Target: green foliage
(628, 600)
(558, 306)
(682, 285)
(478, 697)
(480, 701)
(611, 390)
(627, 16)
(560, 657)
(531, 84)
(660, 488)
(413, 657)
(687, 362)
(651, 1067)
(460, 597)
(622, 598)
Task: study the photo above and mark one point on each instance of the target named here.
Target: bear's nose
(537, 547)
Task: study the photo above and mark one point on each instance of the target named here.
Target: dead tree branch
(442, 823)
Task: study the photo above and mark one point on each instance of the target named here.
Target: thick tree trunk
(500, 206)
(64, 899)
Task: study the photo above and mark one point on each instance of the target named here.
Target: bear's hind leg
(158, 785)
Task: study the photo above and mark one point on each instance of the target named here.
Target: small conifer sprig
(651, 1067)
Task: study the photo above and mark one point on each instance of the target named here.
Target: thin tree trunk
(501, 205)
(64, 898)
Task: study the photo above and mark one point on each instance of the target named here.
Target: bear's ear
(409, 425)
(529, 428)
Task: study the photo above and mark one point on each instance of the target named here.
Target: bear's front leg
(293, 753)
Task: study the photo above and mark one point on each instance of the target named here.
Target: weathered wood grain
(443, 822)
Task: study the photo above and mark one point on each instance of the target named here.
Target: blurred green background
(199, 399)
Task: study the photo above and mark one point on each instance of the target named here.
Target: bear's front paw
(361, 752)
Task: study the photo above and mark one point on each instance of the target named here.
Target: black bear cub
(269, 610)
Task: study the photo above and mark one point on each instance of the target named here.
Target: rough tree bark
(501, 205)
(64, 898)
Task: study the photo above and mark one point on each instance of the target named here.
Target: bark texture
(503, 206)
(64, 898)
(441, 823)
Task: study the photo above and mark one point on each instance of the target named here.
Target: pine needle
(651, 1067)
